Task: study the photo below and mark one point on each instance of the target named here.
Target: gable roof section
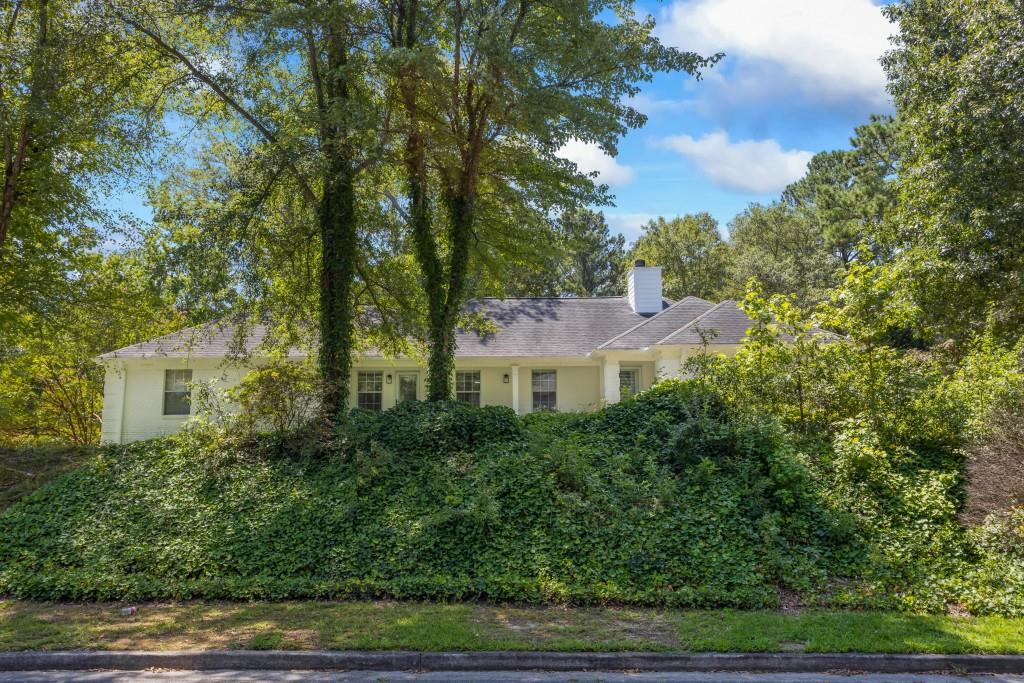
(727, 324)
(212, 340)
(525, 327)
(653, 329)
(548, 326)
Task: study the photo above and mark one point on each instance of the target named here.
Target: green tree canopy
(849, 194)
(577, 257)
(51, 388)
(596, 259)
(955, 79)
(490, 92)
(782, 248)
(78, 106)
(693, 257)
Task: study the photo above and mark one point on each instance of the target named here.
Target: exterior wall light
(504, 378)
(388, 378)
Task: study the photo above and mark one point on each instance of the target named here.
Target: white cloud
(589, 158)
(760, 166)
(828, 49)
(628, 224)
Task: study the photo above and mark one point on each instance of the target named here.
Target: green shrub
(425, 501)
(677, 497)
(420, 429)
(280, 396)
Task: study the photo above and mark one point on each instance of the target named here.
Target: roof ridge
(554, 298)
(647, 320)
(695, 320)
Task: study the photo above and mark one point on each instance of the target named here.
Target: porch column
(514, 372)
(610, 377)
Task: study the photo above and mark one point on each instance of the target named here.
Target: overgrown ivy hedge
(669, 499)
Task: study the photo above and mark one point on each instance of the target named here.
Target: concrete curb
(198, 660)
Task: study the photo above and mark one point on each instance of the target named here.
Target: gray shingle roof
(214, 340)
(548, 327)
(656, 327)
(725, 323)
(524, 327)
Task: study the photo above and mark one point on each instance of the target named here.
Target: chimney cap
(639, 263)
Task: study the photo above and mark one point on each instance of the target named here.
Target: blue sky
(796, 79)
(798, 75)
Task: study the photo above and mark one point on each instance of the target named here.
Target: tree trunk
(14, 163)
(444, 276)
(445, 290)
(12, 171)
(442, 334)
(339, 238)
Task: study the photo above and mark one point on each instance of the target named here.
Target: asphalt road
(473, 677)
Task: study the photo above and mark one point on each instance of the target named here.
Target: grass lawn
(424, 626)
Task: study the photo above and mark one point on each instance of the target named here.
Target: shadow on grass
(383, 625)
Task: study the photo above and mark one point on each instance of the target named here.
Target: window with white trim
(177, 392)
(370, 390)
(467, 387)
(629, 382)
(544, 384)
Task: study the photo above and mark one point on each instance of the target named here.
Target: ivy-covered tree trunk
(440, 340)
(442, 334)
(442, 285)
(338, 236)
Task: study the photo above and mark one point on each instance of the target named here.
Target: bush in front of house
(674, 498)
(423, 501)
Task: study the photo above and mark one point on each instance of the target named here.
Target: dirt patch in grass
(584, 629)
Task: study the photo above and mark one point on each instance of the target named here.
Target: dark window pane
(544, 384)
(368, 401)
(470, 397)
(370, 390)
(177, 394)
(467, 387)
(407, 386)
(629, 382)
(176, 403)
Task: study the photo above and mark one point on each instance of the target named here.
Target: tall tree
(296, 78)
(77, 106)
(693, 257)
(849, 194)
(783, 248)
(954, 75)
(577, 257)
(595, 258)
(491, 91)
